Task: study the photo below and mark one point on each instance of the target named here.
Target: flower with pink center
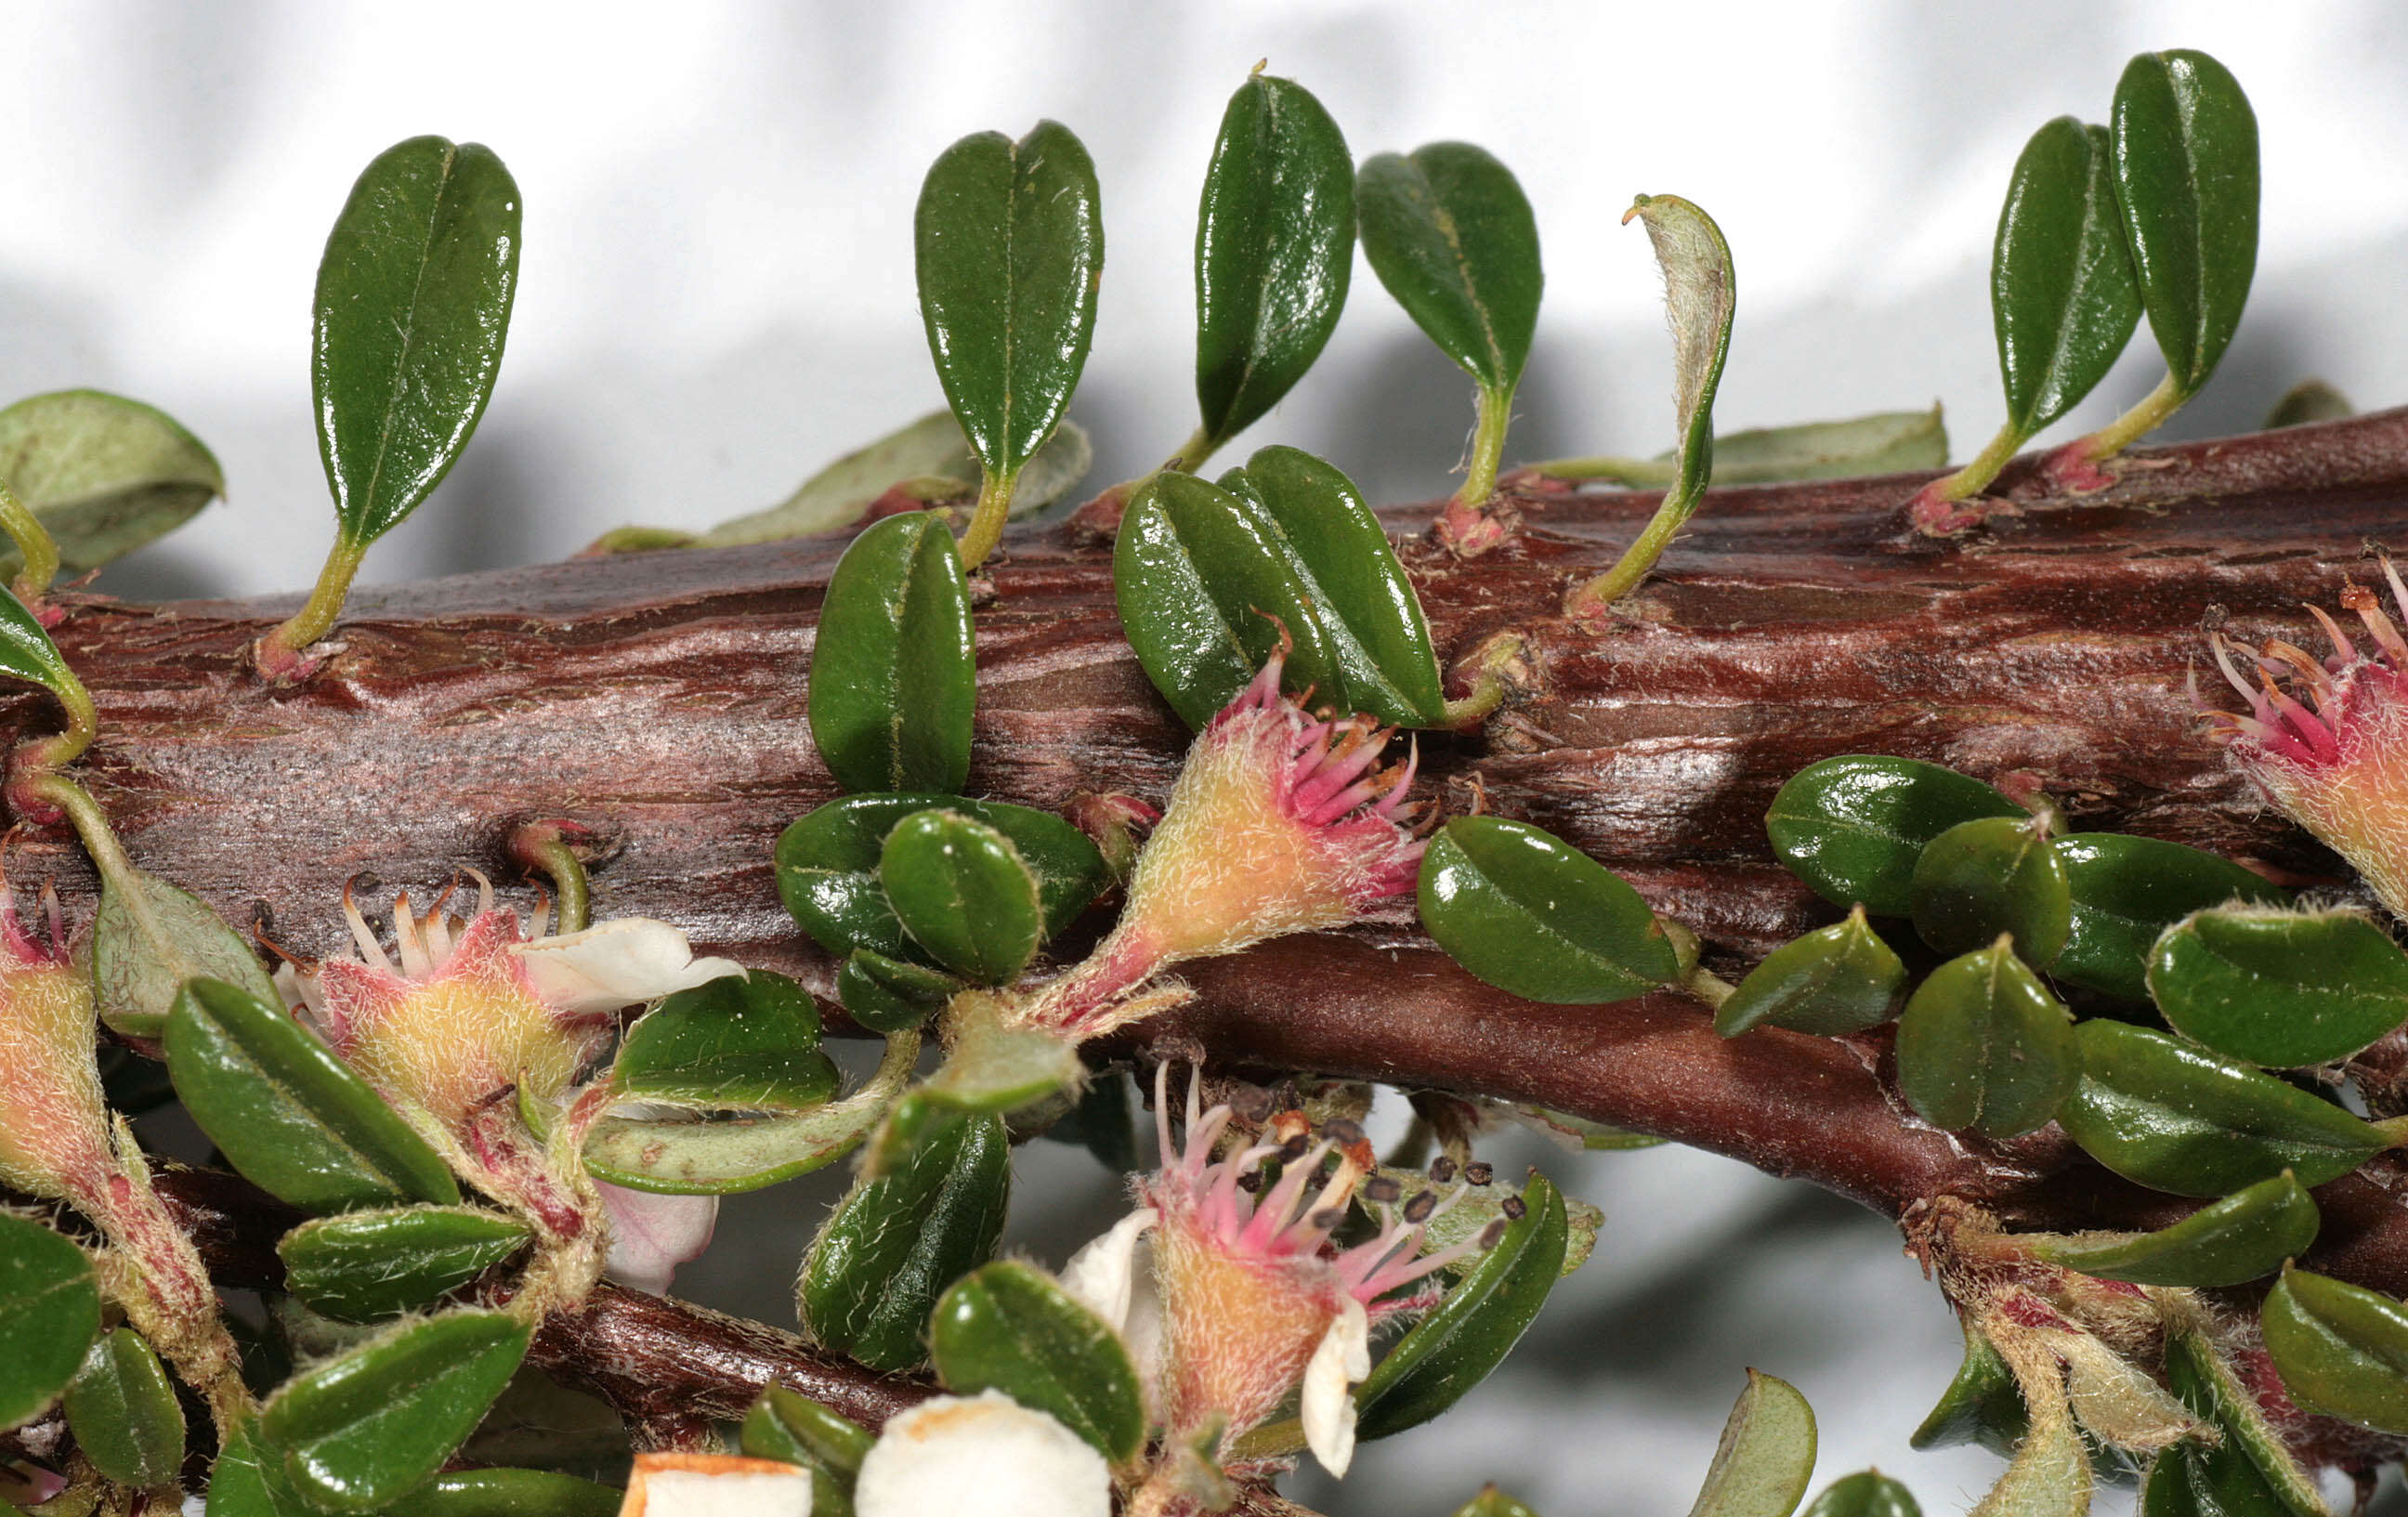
(2326, 740)
(1281, 822)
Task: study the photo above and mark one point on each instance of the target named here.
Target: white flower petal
(716, 1485)
(984, 1455)
(616, 963)
(1342, 1357)
(652, 1235)
(1098, 1276)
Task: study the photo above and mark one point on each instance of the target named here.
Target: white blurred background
(717, 297)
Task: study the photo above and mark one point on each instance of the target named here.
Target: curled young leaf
(782, 1424)
(1766, 1455)
(367, 1265)
(149, 938)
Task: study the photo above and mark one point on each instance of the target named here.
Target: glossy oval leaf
(1009, 238)
(784, 1425)
(103, 474)
(1531, 914)
(2281, 988)
(2126, 890)
(2185, 162)
(508, 1493)
(1832, 981)
(894, 677)
(1868, 1492)
(962, 893)
(1982, 1045)
(1853, 826)
(27, 654)
(359, 1430)
(1274, 250)
(49, 1313)
(148, 938)
(1451, 236)
(2063, 298)
(742, 1041)
(412, 306)
(2342, 1350)
(2244, 1236)
(1766, 1455)
(895, 1243)
(1989, 876)
(122, 1409)
(890, 996)
(1469, 1334)
(367, 1265)
(2175, 1116)
(1009, 1328)
(289, 1115)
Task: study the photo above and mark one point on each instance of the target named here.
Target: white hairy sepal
(1327, 1404)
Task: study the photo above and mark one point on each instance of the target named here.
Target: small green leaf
(1531, 914)
(1469, 1334)
(2306, 402)
(246, 1482)
(294, 1118)
(508, 1493)
(1449, 232)
(358, 1431)
(2185, 162)
(2126, 892)
(2062, 293)
(2246, 1235)
(1010, 248)
(1274, 249)
(122, 1409)
(894, 677)
(2341, 1349)
(103, 474)
(1853, 826)
(2174, 1117)
(961, 892)
(1492, 1502)
(1832, 981)
(2189, 1480)
(1982, 1044)
(891, 995)
(1989, 876)
(785, 1425)
(1868, 1492)
(992, 1065)
(367, 1265)
(412, 306)
(27, 652)
(148, 938)
(1766, 1456)
(744, 1041)
(49, 1312)
(1982, 1404)
(1698, 298)
(1010, 1329)
(2251, 1446)
(895, 1242)
(1886, 442)
(2280, 988)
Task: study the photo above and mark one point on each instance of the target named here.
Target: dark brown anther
(1345, 1133)
(1251, 1182)
(1249, 1103)
(1328, 1218)
(1490, 1234)
(1479, 1173)
(1381, 1188)
(1418, 1209)
(1441, 1169)
(1294, 1148)
(1516, 1208)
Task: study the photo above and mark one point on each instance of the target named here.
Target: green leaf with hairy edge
(1469, 1334)
(723, 1156)
(508, 1493)
(1205, 586)
(1868, 1492)
(244, 1482)
(103, 474)
(2280, 988)
(2199, 1375)
(1884, 442)
(49, 1312)
(1989, 876)
(2126, 890)
(363, 1267)
(1451, 234)
(1274, 250)
(749, 1041)
(2063, 298)
(1492, 1502)
(27, 652)
(1011, 250)
(1853, 826)
(2189, 1480)
(1009, 1328)
(827, 867)
(2242, 1237)
(993, 1066)
(1831, 980)
(412, 306)
(1532, 915)
(1982, 1404)
(962, 893)
(889, 995)
(1336, 542)
(784, 1425)
(1699, 297)
(895, 1242)
(2306, 402)
(289, 1115)
(148, 938)
(123, 1411)
(2185, 162)
(1766, 1455)
(358, 1431)
(1982, 1044)
(2341, 1349)
(2175, 1116)
(894, 676)
(2049, 1475)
